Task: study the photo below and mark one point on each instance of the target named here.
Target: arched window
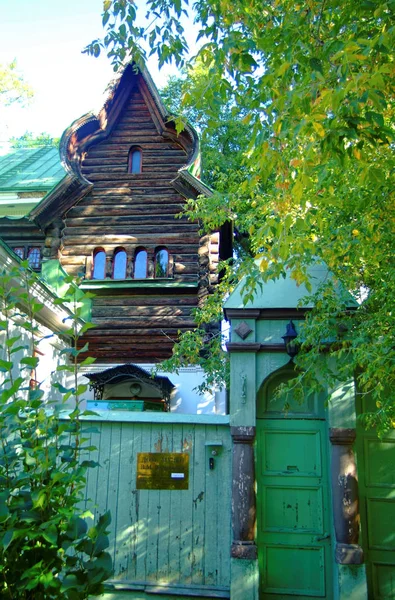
(135, 161)
(161, 262)
(140, 264)
(34, 258)
(99, 264)
(20, 251)
(119, 264)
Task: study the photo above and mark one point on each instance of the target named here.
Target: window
(119, 264)
(34, 258)
(161, 263)
(20, 251)
(99, 264)
(140, 264)
(135, 160)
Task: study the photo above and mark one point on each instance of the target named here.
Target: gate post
(243, 493)
(345, 497)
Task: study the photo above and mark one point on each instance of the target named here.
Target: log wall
(129, 211)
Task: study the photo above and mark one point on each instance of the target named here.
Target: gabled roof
(282, 294)
(30, 170)
(127, 372)
(93, 128)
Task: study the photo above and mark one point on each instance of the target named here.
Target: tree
(13, 87)
(29, 140)
(223, 135)
(315, 81)
(47, 550)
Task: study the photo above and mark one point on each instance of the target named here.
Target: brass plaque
(162, 471)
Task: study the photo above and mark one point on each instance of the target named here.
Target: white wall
(184, 399)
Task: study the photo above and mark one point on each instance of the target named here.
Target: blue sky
(46, 38)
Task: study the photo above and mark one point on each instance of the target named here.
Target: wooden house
(254, 504)
(114, 218)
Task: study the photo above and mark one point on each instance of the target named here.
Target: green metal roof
(30, 169)
(283, 292)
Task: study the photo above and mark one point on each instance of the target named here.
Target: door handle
(320, 538)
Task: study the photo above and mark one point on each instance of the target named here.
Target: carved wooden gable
(129, 175)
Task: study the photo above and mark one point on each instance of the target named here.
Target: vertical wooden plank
(212, 524)
(186, 510)
(124, 503)
(199, 500)
(95, 475)
(90, 473)
(154, 508)
(133, 445)
(102, 494)
(177, 500)
(224, 506)
(165, 498)
(113, 487)
(144, 523)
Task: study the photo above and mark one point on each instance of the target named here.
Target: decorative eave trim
(185, 182)
(58, 200)
(97, 380)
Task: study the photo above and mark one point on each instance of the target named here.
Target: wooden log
(115, 173)
(97, 153)
(138, 212)
(141, 300)
(129, 220)
(137, 322)
(113, 188)
(103, 227)
(109, 148)
(76, 248)
(103, 180)
(148, 159)
(142, 240)
(137, 311)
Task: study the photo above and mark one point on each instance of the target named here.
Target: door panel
(376, 471)
(292, 503)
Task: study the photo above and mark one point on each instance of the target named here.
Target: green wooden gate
(376, 470)
(294, 545)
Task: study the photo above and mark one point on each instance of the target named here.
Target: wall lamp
(291, 345)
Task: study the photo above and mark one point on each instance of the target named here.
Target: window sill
(103, 284)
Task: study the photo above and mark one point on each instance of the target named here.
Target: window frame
(97, 251)
(117, 252)
(157, 251)
(132, 151)
(137, 252)
(37, 263)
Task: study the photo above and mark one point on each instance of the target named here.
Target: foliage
(13, 87)
(223, 135)
(30, 140)
(315, 81)
(47, 550)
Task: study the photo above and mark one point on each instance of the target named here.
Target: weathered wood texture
(21, 232)
(131, 211)
(178, 536)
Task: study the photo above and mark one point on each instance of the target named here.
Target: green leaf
(5, 366)
(76, 528)
(6, 539)
(50, 534)
(30, 361)
(87, 361)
